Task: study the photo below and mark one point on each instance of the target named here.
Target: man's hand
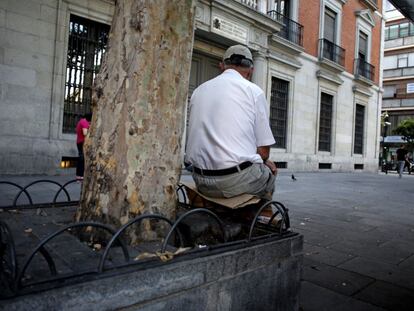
(272, 166)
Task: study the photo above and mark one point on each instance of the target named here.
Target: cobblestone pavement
(358, 230)
(359, 239)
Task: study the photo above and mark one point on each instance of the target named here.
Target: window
(363, 46)
(329, 25)
(404, 30)
(402, 61)
(325, 122)
(390, 62)
(399, 31)
(363, 68)
(359, 129)
(410, 88)
(86, 46)
(389, 91)
(386, 33)
(279, 99)
(282, 7)
(393, 34)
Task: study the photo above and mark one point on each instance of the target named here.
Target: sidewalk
(358, 230)
(359, 239)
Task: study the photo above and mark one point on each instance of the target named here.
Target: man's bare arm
(264, 152)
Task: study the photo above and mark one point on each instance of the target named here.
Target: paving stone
(336, 279)
(357, 305)
(390, 253)
(403, 277)
(408, 263)
(325, 255)
(388, 296)
(317, 238)
(317, 298)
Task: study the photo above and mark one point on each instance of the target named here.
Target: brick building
(317, 61)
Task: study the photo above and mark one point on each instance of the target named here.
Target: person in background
(408, 163)
(401, 157)
(229, 135)
(81, 131)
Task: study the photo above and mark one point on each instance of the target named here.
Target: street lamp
(385, 120)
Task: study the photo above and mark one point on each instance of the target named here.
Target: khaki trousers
(256, 179)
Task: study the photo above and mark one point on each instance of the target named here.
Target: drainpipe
(51, 121)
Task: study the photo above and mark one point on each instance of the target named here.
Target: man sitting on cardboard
(229, 135)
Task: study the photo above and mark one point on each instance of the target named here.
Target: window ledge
(371, 4)
(330, 64)
(364, 80)
(291, 47)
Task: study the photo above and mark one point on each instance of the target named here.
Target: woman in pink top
(81, 132)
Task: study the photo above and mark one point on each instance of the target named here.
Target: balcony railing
(364, 69)
(250, 3)
(332, 52)
(291, 30)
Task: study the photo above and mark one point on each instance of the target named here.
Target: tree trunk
(133, 150)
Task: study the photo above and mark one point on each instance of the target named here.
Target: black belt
(225, 171)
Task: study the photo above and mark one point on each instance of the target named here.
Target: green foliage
(406, 130)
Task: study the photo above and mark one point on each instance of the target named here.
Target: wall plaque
(229, 29)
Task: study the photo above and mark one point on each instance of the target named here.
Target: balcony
(364, 70)
(331, 54)
(393, 73)
(250, 3)
(291, 30)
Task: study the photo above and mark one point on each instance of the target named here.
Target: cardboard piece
(233, 203)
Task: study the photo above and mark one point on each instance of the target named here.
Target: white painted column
(261, 6)
(260, 70)
(294, 10)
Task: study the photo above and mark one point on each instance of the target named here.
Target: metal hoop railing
(185, 215)
(7, 254)
(17, 278)
(285, 218)
(123, 228)
(51, 236)
(21, 189)
(37, 182)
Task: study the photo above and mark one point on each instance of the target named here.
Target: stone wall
(263, 276)
(33, 45)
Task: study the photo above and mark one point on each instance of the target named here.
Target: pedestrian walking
(401, 158)
(81, 131)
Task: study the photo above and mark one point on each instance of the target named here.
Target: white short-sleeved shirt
(228, 121)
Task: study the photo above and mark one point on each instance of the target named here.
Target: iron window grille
(325, 122)
(86, 48)
(359, 129)
(278, 110)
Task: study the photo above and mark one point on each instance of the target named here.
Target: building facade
(398, 75)
(317, 61)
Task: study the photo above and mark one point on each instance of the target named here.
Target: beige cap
(238, 50)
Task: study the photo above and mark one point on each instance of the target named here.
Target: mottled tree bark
(133, 149)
